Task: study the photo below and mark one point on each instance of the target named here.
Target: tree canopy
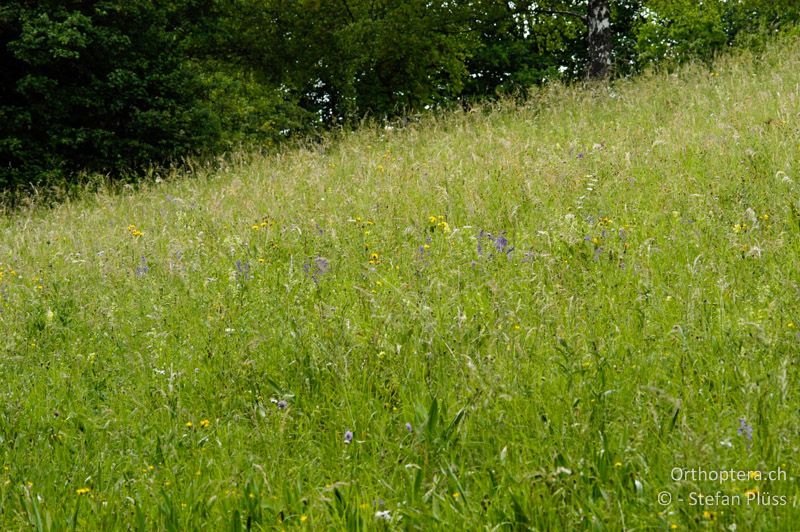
(111, 85)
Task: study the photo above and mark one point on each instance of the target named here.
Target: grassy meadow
(519, 317)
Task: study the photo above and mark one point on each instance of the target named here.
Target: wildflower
(348, 436)
(765, 217)
(303, 518)
(618, 465)
(709, 515)
(205, 423)
(82, 491)
(374, 258)
(143, 268)
(189, 424)
(745, 429)
(501, 242)
(383, 514)
(282, 404)
(316, 268)
(409, 428)
(135, 233)
(456, 495)
(243, 271)
(432, 220)
(791, 325)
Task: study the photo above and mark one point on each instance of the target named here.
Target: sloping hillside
(514, 317)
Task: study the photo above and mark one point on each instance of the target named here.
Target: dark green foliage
(91, 85)
(110, 86)
(674, 31)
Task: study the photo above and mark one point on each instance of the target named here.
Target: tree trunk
(599, 36)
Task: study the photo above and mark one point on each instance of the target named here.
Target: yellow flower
(205, 423)
(673, 526)
(765, 217)
(618, 464)
(255, 227)
(432, 220)
(751, 493)
(374, 258)
(444, 226)
(189, 424)
(303, 518)
(791, 325)
(456, 495)
(709, 515)
(82, 491)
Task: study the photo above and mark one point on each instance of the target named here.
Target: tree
(598, 38)
(94, 85)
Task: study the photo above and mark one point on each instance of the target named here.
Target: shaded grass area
(526, 316)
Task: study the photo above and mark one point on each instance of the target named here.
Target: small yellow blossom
(189, 424)
(303, 518)
(374, 258)
(791, 325)
(82, 491)
(618, 464)
(456, 495)
(205, 423)
(709, 515)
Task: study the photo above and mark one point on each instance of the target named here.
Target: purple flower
(409, 428)
(243, 271)
(480, 243)
(317, 268)
(580, 155)
(501, 242)
(348, 436)
(143, 268)
(282, 404)
(745, 429)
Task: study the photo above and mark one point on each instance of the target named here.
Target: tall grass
(526, 317)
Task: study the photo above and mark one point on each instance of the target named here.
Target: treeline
(111, 86)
